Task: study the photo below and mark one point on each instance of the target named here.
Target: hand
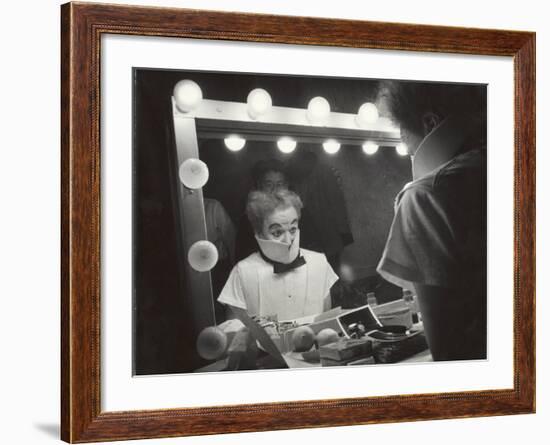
(242, 351)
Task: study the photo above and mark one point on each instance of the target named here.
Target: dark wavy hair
(407, 101)
(261, 204)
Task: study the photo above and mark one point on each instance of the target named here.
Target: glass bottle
(410, 301)
(371, 299)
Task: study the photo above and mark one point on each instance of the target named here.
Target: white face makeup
(281, 225)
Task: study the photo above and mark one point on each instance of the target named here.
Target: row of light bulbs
(331, 146)
(203, 254)
(188, 96)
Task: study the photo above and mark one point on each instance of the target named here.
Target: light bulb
(193, 173)
(367, 115)
(234, 143)
(370, 147)
(188, 95)
(347, 273)
(286, 144)
(331, 146)
(259, 102)
(212, 343)
(318, 111)
(402, 149)
(202, 256)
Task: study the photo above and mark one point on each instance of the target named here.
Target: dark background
(163, 329)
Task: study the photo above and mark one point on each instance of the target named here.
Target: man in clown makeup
(279, 279)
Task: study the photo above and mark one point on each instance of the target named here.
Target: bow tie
(282, 267)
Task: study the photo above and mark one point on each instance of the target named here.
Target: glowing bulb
(193, 173)
(367, 115)
(331, 146)
(318, 110)
(286, 144)
(370, 147)
(202, 256)
(347, 273)
(259, 102)
(402, 149)
(188, 95)
(234, 143)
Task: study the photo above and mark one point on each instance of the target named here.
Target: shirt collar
(442, 144)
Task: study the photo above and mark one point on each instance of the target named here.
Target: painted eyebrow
(277, 225)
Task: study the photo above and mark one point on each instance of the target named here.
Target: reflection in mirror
(348, 205)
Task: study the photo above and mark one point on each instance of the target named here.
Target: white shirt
(300, 292)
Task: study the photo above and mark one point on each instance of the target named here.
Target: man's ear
(430, 120)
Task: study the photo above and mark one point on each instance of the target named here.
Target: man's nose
(287, 237)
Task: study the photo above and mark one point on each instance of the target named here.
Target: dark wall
(161, 326)
(370, 184)
(163, 334)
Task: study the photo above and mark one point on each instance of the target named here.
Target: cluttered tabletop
(368, 335)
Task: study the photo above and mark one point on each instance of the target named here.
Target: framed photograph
(276, 222)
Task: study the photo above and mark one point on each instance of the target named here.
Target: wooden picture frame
(82, 26)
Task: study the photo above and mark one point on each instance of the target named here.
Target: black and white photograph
(284, 221)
